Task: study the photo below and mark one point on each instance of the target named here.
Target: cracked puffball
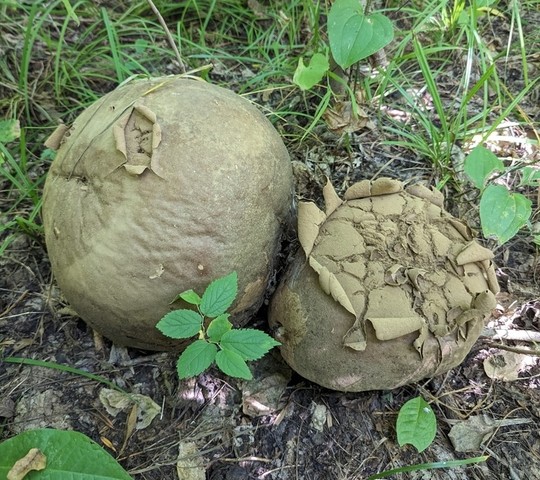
(387, 289)
(161, 186)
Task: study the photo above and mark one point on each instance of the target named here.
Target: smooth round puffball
(161, 186)
(387, 289)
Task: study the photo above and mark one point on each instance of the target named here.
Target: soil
(280, 426)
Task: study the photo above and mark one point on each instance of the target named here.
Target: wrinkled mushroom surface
(161, 186)
(388, 288)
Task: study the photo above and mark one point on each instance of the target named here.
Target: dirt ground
(279, 426)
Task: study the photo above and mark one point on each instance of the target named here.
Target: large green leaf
(502, 213)
(70, 456)
(195, 359)
(180, 324)
(416, 424)
(233, 365)
(480, 164)
(219, 295)
(249, 343)
(353, 35)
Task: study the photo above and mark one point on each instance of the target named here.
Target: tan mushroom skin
(387, 289)
(162, 186)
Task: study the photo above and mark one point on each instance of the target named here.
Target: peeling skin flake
(331, 198)
(310, 219)
(137, 134)
(331, 286)
(394, 288)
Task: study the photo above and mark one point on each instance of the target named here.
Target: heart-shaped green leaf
(353, 35)
(307, 76)
(502, 213)
(480, 164)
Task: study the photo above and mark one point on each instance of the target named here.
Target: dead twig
(170, 39)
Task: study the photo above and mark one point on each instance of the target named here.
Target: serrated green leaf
(218, 327)
(249, 343)
(502, 213)
(70, 455)
(180, 324)
(416, 424)
(232, 364)
(353, 35)
(480, 164)
(219, 295)
(308, 76)
(190, 296)
(530, 177)
(9, 130)
(195, 359)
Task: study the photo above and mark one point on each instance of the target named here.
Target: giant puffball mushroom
(162, 186)
(387, 289)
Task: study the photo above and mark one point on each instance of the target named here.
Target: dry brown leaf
(470, 434)
(33, 460)
(507, 365)
(7, 407)
(131, 423)
(262, 395)
(115, 401)
(189, 464)
(341, 118)
(107, 443)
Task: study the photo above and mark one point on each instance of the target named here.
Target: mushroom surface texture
(387, 289)
(161, 186)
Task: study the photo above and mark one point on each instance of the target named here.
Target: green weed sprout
(353, 35)
(218, 342)
(417, 425)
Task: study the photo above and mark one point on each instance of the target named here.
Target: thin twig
(168, 35)
(515, 335)
(523, 351)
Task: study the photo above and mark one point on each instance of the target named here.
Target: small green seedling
(417, 425)
(218, 342)
(353, 35)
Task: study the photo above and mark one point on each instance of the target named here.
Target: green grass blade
(429, 466)
(63, 368)
(114, 45)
